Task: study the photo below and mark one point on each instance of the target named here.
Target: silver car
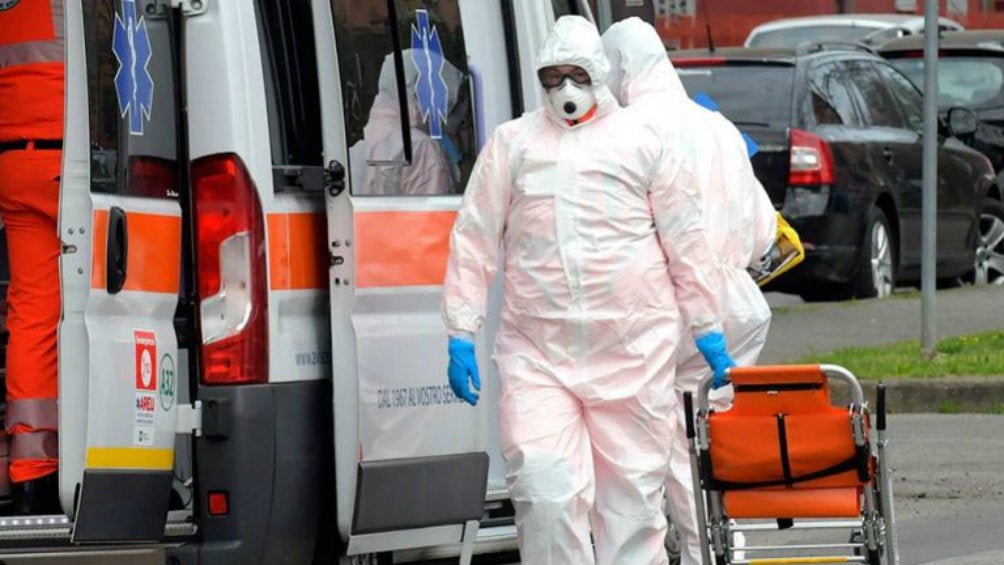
(869, 29)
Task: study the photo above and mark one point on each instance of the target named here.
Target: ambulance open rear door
(410, 457)
(120, 223)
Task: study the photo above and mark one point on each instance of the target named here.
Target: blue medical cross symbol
(133, 83)
(703, 99)
(431, 88)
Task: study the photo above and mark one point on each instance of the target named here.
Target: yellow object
(130, 458)
(789, 560)
(786, 252)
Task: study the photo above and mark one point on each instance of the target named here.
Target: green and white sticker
(168, 382)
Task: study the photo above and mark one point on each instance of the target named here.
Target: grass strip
(970, 355)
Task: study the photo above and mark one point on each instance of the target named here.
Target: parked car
(970, 74)
(869, 29)
(841, 155)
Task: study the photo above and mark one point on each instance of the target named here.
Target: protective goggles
(552, 77)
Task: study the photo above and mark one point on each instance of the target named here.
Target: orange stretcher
(784, 457)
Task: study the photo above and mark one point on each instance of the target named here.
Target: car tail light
(231, 277)
(811, 160)
(699, 62)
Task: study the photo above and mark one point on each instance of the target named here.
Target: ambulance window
(131, 102)
(290, 63)
(437, 106)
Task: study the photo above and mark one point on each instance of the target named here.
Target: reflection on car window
(910, 101)
(878, 104)
(745, 94)
(437, 106)
(131, 116)
(962, 81)
(832, 100)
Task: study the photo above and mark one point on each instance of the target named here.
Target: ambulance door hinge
(160, 8)
(334, 178)
(189, 419)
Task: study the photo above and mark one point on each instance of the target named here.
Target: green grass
(970, 355)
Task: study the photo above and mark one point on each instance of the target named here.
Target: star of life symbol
(431, 88)
(133, 83)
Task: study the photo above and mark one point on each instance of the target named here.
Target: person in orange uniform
(31, 132)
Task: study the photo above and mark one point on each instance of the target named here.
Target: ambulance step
(58, 528)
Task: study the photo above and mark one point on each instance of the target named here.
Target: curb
(942, 395)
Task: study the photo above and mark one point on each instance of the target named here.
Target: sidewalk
(805, 329)
(817, 328)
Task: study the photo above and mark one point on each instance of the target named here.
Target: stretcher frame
(873, 537)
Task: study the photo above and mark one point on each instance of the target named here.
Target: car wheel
(989, 267)
(877, 270)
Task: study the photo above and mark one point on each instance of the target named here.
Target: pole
(929, 216)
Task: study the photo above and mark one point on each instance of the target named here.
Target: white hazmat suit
(740, 221)
(377, 160)
(604, 248)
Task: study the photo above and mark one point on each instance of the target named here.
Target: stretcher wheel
(673, 544)
(874, 557)
(721, 560)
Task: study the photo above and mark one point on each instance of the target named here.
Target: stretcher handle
(831, 372)
(880, 407)
(840, 373)
(688, 408)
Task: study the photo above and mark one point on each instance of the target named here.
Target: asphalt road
(799, 329)
(949, 490)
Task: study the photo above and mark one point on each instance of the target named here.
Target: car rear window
(755, 95)
(962, 81)
(791, 37)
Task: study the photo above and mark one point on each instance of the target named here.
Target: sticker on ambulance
(146, 360)
(133, 82)
(146, 419)
(168, 381)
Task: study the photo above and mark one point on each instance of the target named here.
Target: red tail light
(699, 62)
(230, 258)
(811, 160)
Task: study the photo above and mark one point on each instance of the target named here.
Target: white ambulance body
(252, 358)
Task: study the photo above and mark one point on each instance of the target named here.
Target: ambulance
(256, 197)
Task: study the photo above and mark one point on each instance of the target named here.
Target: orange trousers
(29, 204)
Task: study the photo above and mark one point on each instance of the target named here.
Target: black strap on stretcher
(858, 461)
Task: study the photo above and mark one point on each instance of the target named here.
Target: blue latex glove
(463, 367)
(712, 347)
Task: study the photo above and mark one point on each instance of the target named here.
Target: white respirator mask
(571, 100)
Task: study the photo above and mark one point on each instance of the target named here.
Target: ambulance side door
(120, 223)
(398, 108)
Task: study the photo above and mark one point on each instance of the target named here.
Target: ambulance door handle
(117, 251)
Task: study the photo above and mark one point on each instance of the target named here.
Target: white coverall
(377, 160)
(739, 218)
(604, 248)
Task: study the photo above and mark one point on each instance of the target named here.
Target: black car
(840, 154)
(970, 74)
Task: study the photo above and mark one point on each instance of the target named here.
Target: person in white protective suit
(739, 218)
(605, 263)
(378, 160)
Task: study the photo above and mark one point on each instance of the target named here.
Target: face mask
(572, 101)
